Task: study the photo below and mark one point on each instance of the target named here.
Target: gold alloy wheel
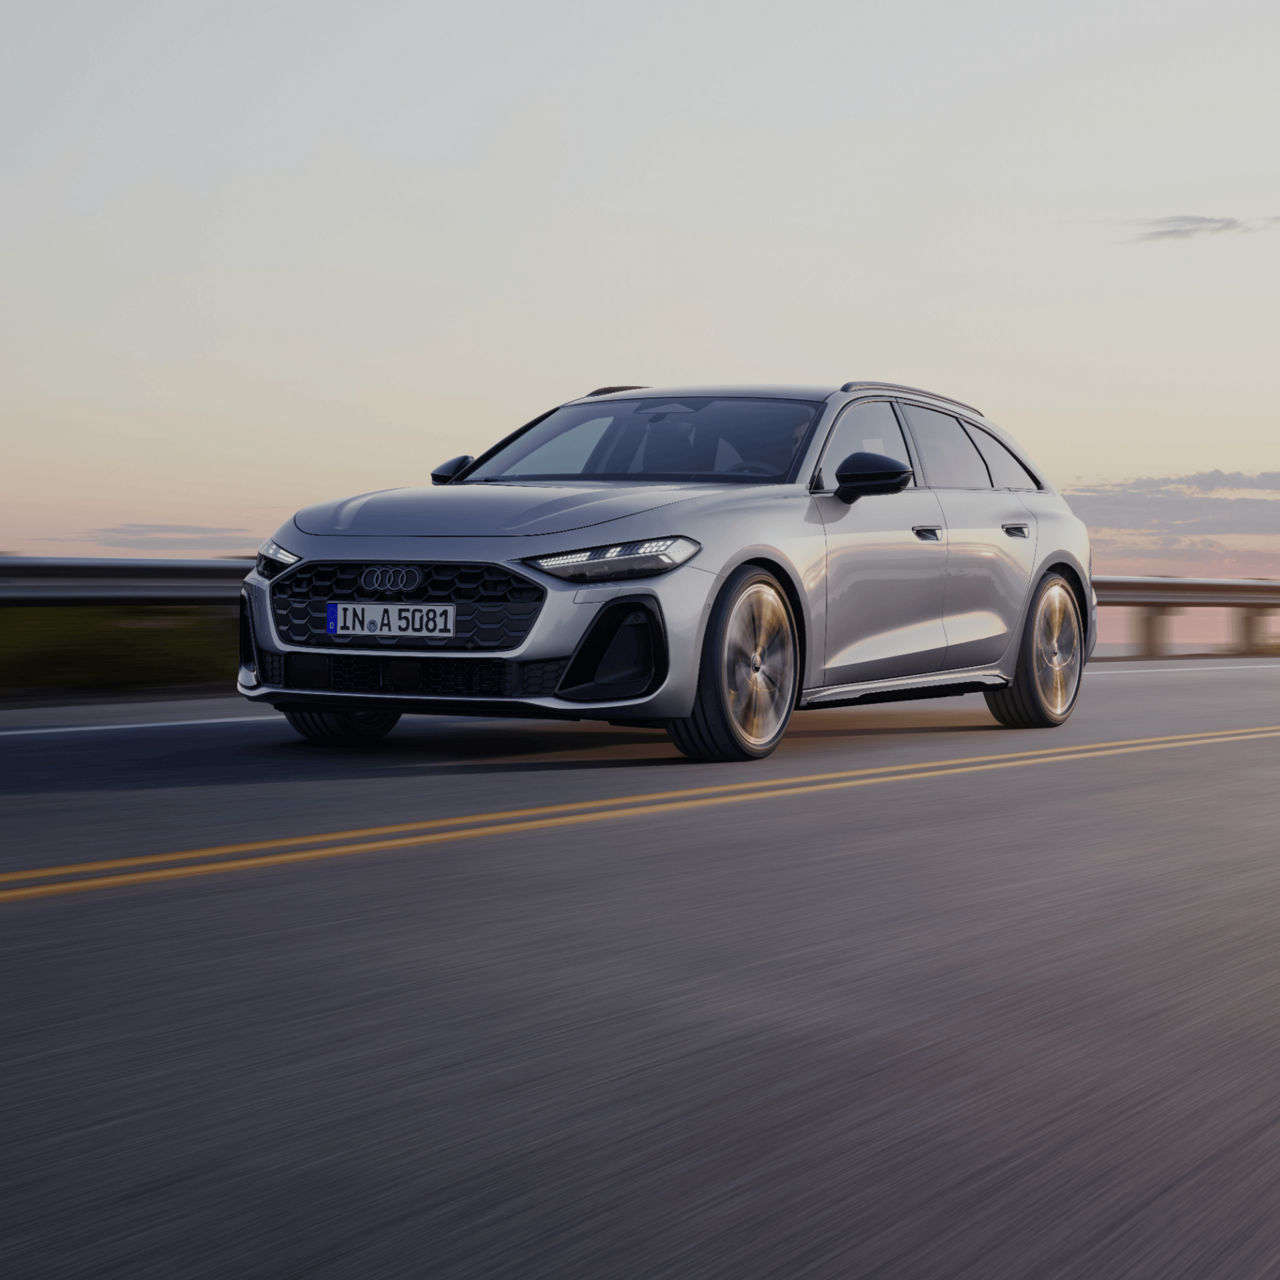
(759, 664)
(1057, 654)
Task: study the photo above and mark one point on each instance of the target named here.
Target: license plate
(353, 618)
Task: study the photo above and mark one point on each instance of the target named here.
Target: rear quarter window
(1007, 469)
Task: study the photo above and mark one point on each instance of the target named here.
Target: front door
(886, 562)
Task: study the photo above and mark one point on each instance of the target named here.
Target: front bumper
(624, 651)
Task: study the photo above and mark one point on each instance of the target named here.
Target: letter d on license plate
(354, 618)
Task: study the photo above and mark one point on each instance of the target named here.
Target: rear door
(991, 537)
(886, 561)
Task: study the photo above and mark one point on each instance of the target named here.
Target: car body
(917, 583)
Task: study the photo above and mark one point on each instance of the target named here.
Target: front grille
(496, 608)
(426, 677)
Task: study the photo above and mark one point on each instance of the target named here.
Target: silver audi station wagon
(705, 560)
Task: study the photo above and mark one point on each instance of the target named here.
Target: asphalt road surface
(918, 996)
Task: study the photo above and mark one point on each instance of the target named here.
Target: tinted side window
(864, 428)
(1006, 471)
(949, 458)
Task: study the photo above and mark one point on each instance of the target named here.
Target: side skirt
(934, 685)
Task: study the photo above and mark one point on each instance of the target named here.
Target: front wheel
(749, 675)
(343, 728)
(1050, 661)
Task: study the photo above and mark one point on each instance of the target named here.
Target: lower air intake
(424, 677)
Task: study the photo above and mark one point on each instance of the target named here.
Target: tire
(1050, 661)
(749, 676)
(343, 728)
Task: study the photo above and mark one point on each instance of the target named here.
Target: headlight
(622, 560)
(274, 559)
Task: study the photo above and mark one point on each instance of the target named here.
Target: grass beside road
(110, 648)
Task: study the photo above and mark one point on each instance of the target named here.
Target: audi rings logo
(386, 578)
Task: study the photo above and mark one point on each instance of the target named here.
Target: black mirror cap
(863, 474)
(447, 471)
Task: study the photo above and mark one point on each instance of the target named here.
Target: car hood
(489, 510)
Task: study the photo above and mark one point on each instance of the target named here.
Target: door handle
(928, 532)
(1017, 530)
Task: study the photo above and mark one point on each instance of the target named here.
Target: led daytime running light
(273, 559)
(274, 551)
(620, 560)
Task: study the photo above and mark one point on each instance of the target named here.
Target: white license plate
(355, 618)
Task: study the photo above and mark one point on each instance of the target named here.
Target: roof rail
(608, 391)
(897, 386)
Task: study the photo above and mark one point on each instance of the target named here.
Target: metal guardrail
(41, 581)
(47, 581)
(1157, 599)
(1189, 593)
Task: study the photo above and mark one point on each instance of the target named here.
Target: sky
(256, 255)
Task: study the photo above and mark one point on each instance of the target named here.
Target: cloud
(1124, 552)
(1164, 546)
(170, 537)
(1186, 226)
(1204, 504)
(168, 530)
(1205, 480)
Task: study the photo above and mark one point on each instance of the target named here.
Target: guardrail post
(1249, 626)
(1153, 629)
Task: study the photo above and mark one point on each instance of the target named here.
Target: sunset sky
(253, 255)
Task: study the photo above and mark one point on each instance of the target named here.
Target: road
(917, 996)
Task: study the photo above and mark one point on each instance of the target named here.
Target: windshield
(699, 438)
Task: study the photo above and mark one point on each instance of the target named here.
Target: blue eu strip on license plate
(331, 619)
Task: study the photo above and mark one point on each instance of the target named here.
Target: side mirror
(447, 470)
(861, 474)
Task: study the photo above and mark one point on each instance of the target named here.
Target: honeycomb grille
(426, 677)
(495, 608)
(270, 667)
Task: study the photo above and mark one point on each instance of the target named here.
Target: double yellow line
(84, 877)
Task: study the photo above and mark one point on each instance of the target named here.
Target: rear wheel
(1050, 661)
(339, 728)
(749, 675)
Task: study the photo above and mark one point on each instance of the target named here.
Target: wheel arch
(1064, 564)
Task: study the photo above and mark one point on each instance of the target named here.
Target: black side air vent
(623, 655)
(248, 650)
